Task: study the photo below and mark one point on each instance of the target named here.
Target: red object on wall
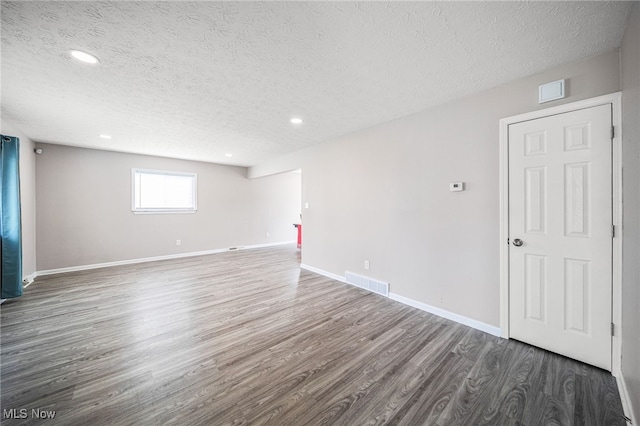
(299, 226)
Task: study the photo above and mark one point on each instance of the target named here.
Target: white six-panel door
(560, 219)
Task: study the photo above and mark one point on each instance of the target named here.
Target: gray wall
(27, 196)
(84, 209)
(630, 60)
(382, 194)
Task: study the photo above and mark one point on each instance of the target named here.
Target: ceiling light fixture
(296, 120)
(103, 136)
(228, 155)
(84, 57)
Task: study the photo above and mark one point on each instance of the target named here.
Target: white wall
(84, 209)
(382, 194)
(630, 68)
(27, 196)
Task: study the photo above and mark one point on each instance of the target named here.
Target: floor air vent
(367, 283)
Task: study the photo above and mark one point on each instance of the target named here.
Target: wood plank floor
(247, 338)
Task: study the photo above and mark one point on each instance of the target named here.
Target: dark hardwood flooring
(247, 338)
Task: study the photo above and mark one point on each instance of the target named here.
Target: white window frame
(163, 210)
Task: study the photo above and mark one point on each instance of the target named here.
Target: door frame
(613, 99)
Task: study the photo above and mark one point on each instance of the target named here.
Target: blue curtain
(11, 247)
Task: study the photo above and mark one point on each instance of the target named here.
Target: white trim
(504, 228)
(155, 258)
(627, 407)
(616, 170)
(163, 211)
(255, 246)
(415, 304)
(478, 325)
(614, 100)
(325, 273)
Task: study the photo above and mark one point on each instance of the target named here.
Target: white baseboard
(153, 259)
(325, 273)
(625, 399)
(478, 325)
(255, 246)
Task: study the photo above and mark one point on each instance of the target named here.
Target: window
(156, 191)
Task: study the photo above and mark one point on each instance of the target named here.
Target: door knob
(518, 242)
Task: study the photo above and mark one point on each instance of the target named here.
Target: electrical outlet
(267, 234)
(366, 264)
(178, 242)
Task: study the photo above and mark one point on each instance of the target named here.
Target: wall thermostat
(456, 186)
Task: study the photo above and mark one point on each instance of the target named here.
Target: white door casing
(560, 208)
(615, 100)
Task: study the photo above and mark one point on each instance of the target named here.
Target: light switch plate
(456, 186)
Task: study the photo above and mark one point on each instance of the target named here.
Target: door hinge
(613, 231)
(612, 329)
(613, 132)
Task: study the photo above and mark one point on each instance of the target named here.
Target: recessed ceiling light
(296, 120)
(84, 57)
(228, 154)
(103, 136)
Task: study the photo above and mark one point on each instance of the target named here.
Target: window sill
(163, 211)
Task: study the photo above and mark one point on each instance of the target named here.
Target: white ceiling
(196, 80)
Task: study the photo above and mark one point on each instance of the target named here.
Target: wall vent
(367, 283)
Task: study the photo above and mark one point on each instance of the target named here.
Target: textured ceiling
(196, 80)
